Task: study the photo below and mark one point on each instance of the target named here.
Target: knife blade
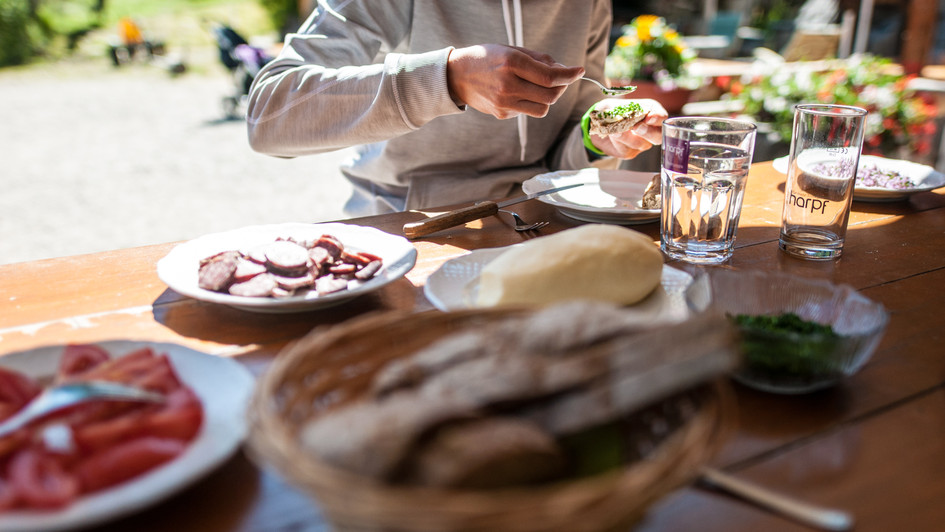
(473, 212)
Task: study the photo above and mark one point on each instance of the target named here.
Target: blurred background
(123, 119)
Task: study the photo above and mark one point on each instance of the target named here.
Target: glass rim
(830, 109)
(741, 126)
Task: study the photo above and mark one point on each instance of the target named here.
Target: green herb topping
(621, 110)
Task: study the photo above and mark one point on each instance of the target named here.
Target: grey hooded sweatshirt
(372, 74)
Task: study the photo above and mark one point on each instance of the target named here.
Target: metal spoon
(824, 518)
(612, 91)
(69, 394)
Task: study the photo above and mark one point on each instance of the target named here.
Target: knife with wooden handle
(468, 214)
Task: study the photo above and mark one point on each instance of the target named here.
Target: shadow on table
(222, 324)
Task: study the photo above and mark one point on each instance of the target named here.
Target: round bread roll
(597, 261)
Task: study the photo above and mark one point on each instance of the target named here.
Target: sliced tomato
(8, 496)
(120, 369)
(179, 417)
(95, 436)
(16, 389)
(40, 480)
(12, 442)
(126, 460)
(80, 358)
(160, 377)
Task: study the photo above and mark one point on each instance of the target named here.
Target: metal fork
(612, 91)
(69, 394)
(522, 225)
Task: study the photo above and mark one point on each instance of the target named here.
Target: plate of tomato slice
(99, 461)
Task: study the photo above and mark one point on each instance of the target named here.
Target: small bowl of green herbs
(798, 334)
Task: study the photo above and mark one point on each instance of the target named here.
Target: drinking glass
(704, 171)
(825, 153)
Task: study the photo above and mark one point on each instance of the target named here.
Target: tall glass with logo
(704, 173)
(825, 152)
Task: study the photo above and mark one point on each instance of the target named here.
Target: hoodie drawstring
(516, 37)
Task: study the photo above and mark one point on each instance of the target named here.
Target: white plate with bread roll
(595, 272)
(609, 196)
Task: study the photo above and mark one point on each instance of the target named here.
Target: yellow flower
(671, 35)
(625, 41)
(644, 24)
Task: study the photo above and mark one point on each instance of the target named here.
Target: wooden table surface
(874, 445)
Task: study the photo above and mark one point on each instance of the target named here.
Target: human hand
(636, 140)
(506, 81)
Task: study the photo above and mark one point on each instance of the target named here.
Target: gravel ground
(96, 158)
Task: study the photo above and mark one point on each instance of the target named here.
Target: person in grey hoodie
(448, 101)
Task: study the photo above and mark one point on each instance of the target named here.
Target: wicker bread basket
(331, 366)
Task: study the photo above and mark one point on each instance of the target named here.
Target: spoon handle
(824, 518)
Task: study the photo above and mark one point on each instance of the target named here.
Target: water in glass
(704, 204)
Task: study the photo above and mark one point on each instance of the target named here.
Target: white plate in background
(925, 178)
(608, 196)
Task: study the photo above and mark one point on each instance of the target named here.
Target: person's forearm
(297, 109)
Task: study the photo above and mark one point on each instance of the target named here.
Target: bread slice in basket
(560, 371)
(340, 414)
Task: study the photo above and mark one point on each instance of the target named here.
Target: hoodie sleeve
(569, 152)
(328, 90)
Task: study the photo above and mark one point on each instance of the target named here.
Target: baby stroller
(242, 60)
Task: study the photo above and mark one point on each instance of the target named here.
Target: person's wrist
(450, 85)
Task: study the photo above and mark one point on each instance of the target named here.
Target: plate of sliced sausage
(290, 267)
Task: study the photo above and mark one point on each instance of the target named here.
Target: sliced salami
(332, 245)
(287, 266)
(247, 269)
(294, 283)
(368, 271)
(259, 286)
(287, 256)
(330, 285)
(216, 272)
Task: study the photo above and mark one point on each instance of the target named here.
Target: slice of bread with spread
(617, 120)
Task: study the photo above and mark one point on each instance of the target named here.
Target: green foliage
(15, 44)
(67, 17)
(60, 27)
(899, 123)
(281, 11)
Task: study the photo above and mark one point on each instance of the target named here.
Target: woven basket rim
(615, 498)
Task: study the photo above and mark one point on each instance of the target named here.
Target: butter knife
(468, 214)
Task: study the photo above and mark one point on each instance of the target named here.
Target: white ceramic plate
(179, 268)
(925, 177)
(453, 286)
(224, 387)
(608, 196)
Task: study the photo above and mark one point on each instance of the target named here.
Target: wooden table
(874, 445)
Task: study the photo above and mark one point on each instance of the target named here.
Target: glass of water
(825, 153)
(704, 172)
